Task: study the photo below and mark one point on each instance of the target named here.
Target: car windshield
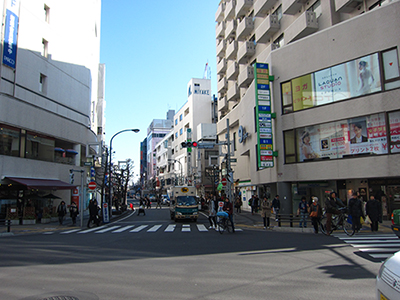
(186, 200)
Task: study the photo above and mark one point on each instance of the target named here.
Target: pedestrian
(212, 214)
(158, 202)
(228, 207)
(141, 208)
(61, 211)
(93, 213)
(374, 212)
(331, 207)
(148, 203)
(303, 212)
(315, 213)
(356, 211)
(238, 205)
(266, 212)
(276, 205)
(254, 204)
(73, 212)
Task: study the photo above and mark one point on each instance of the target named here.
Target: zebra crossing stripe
(201, 227)
(107, 229)
(122, 229)
(90, 230)
(137, 229)
(154, 228)
(170, 228)
(69, 231)
(185, 228)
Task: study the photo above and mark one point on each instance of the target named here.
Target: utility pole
(228, 164)
(81, 200)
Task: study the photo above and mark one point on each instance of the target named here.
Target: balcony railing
(230, 10)
(243, 7)
(244, 29)
(221, 66)
(230, 31)
(245, 52)
(304, 25)
(221, 47)
(246, 76)
(292, 7)
(233, 71)
(231, 50)
(262, 7)
(267, 28)
(219, 15)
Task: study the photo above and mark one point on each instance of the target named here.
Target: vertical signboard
(263, 116)
(10, 34)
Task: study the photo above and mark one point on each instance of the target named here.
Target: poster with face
(394, 123)
(377, 134)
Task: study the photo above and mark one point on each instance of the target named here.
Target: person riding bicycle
(228, 207)
(332, 205)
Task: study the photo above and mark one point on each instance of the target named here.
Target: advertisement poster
(394, 120)
(302, 92)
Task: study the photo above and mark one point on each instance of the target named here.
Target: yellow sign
(302, 92)
(184, 190)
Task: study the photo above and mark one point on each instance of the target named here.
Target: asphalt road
(185, 263)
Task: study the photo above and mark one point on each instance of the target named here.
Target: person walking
(254, 204)
(266, 212)
(356, 211)
(315, 213)
(93, 213)
(303, 212)
(61, 211)
(276, 205)
(238, 205)
(374, 212)
(212, 214)
(141, 208)
(158, 202)
(73, 212)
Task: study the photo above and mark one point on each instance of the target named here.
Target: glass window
(278, 12)
(287, 97)
(290, 154)
(176, 121)
(39, 147)
(279, 42)
(391, 72)
(9, 141)
(180, 131)
(180, 118)
(316, 7)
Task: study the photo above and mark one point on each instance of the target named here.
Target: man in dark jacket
(356, 211)
(93, 211)
(331, 206)
(276, 205)
(374, 211)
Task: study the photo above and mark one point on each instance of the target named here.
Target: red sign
(224, 181)
(92, 185)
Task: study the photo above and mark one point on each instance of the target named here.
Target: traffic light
(71, 176)
(189, 144)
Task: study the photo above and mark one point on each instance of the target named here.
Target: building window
(43, 83)
(180, 117)
(290, 146)
(176, 121)
(46, 14)
(391, 73)
(45, 48)
(234, 141)
(278, 12)
(316, 7)
(279, 42)
(39, 147)
(9, 140)
(186, 111)
(378, 4)
(394, 131)
(181, 131)
(176, 135)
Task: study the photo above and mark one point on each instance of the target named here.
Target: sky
(151, 50)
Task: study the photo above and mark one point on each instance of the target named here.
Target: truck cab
(184, 204)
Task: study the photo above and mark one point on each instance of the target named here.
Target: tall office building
(51, 97)
(311, 91)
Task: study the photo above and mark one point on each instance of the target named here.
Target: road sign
(224, 181)
(233, 160)
(92, 185)
(205, 145)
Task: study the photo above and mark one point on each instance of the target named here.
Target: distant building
(328, 119)
(51, 99)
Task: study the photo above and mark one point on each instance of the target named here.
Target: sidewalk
(247, 220)
(49, 227)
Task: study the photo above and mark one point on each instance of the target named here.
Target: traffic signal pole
(228, 164)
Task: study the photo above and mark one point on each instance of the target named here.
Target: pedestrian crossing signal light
(189, 144)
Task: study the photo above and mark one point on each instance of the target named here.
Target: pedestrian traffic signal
(189, 144)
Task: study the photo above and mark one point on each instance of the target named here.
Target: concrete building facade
(51, 96)
(333, 88)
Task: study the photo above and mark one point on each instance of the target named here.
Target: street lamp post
(109, 164)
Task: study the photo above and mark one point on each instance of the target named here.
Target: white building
(335, 66)
(51, 96)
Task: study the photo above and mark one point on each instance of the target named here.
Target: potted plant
(29, 216)
(46, 218)
(13, 216)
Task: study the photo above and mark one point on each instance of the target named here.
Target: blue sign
(264, 108)
(10, 39)
(263, 86)
(265, 141)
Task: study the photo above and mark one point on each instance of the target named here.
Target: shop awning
(43, 184)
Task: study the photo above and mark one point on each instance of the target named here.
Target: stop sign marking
(92, 185)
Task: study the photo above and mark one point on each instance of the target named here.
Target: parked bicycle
(339, 222)
(224, 223)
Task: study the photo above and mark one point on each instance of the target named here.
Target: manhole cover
(64, 296)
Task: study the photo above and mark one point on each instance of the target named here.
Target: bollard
(8, 224)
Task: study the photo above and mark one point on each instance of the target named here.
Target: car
(165, 199)
(388, 279)
(396, 222)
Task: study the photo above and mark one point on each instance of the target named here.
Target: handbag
(314, 213)
(362, 221)
(367, 220)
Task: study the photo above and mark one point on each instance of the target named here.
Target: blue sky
(151, 50)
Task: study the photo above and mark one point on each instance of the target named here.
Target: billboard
(11, 33)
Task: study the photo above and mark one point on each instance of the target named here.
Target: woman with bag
(266, 212)
(315, 213)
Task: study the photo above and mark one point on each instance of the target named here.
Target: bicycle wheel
(322, 225)
(347, 227)
(221, 226)
(228, 225)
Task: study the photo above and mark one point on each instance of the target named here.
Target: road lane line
(137, 229)
(123, 229)
(170, 228)
(92, 229)
(154, 228)
(107, 229)
(201, 227)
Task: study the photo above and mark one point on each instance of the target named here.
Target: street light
(109, 164)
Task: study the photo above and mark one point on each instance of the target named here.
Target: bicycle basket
(222, 214)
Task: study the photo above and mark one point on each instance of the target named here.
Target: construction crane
(207, 72)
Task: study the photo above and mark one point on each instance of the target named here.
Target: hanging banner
(11, 33)
(263, 116)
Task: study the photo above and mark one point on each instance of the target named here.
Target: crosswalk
(114, 229)
(378, 246)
